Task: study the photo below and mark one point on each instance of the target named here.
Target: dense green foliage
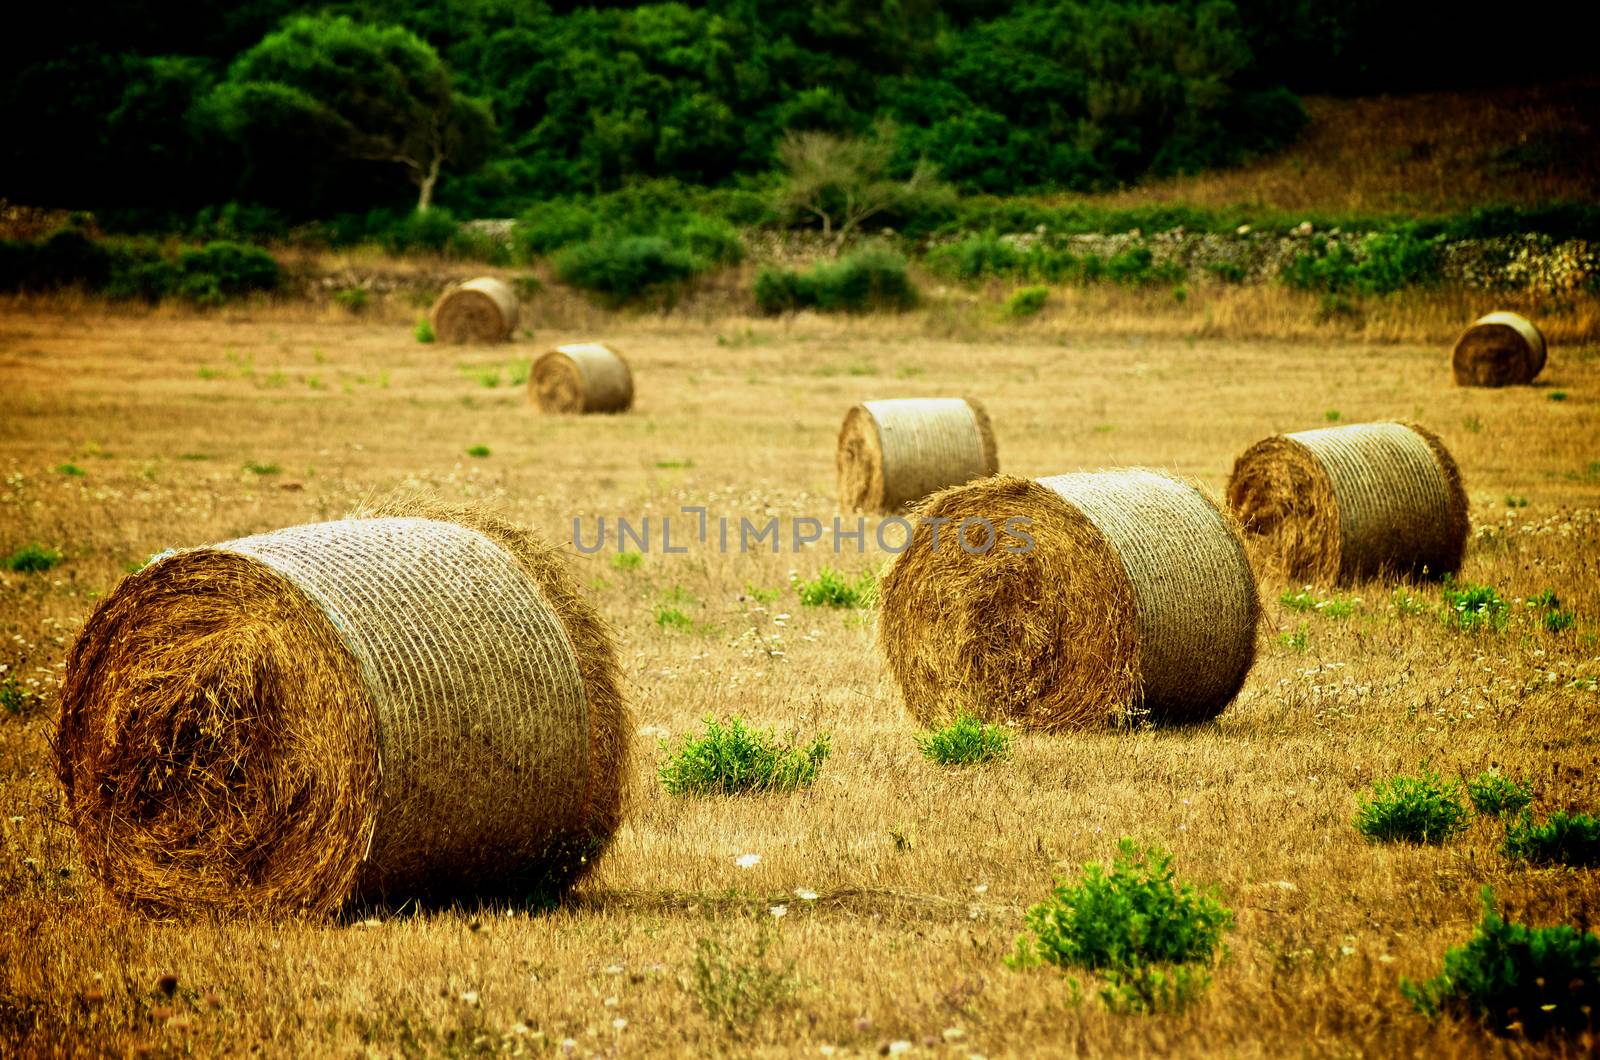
(872, 278)
(1148, 936)
(318, 108)
(1425, 808)
(966, 741)
(1516, 978)
(736, 759)
(1474, 608)
(136, 269)
(1493, 794)
(1561, 839)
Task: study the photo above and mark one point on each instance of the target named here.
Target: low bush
(1562, 839)
(870, 279)
(1383, 263)
(1493, 794)
(1421, 809)
(33, 558)
(830, 588)
(966, 741)
(1027, 301)
(1474, 608)
(735, 759)
(624, 268)
(1516, 979)
(1149, 937)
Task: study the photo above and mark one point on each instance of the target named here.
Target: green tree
(324, 86)
(845, 181)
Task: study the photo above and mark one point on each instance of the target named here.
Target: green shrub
(1474, 608)
(1385, 262)
(478, 450)
(1513, 977)
(1421, 809)
(669, 617)
(1563, 839)
(33, 558)
(423, 332)
(432, 230)
(220, 271)
(967, 741)
(977, 257)
(552, 225)
(1550, 614)
(624, 268)
(352, 298)
(1149, 937)
(783, 291)
(1026, 301)
(830, 588)
(871, 279)
(1493, 794)
(736, 759)
(16, 699)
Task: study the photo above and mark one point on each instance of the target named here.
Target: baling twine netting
(1135, 600)
(582, 377)
(374, 708)
(1499, 349)
(1339, 504)
(893, 453)
(477, 311)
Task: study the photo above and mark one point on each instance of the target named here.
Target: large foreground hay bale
(581, 377)
(1135, 599)
(480, 311)
(893, 453)
(1342, 503)
(413, 703)
(1499, 349)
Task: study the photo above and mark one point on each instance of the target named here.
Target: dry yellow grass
(1432, 152)
(921, 875)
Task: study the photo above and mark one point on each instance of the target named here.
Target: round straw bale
(582, 377)
(384, 707)
(1499, 349)
(1131, 597)
(893, 453)
(1342, 503)
(481, 310)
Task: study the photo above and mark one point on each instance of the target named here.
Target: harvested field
(887, 893)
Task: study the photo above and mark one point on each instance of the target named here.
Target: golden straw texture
(478, 311)
(369, 708)
(893, 453)
(1499, 349)
(1339, 504)
(1134, 599)
(582, 377)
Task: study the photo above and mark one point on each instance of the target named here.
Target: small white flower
(618, 1023)
(469, 997)
(1285, 885)
(747, 861)
(612, 969)
(520, 1029)
(569, 1044)
(982, 888)
(898, 1047)
(612, 1002)
(779, 911)
(954, 1034)
(826, 1050)
(805, 894)
(1385, 958)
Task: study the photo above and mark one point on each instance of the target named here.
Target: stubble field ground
(195, 428)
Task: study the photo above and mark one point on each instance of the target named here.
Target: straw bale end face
(581, 377)
(293, 721)
(891, 454)
(484, 310)
(1499, 349)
